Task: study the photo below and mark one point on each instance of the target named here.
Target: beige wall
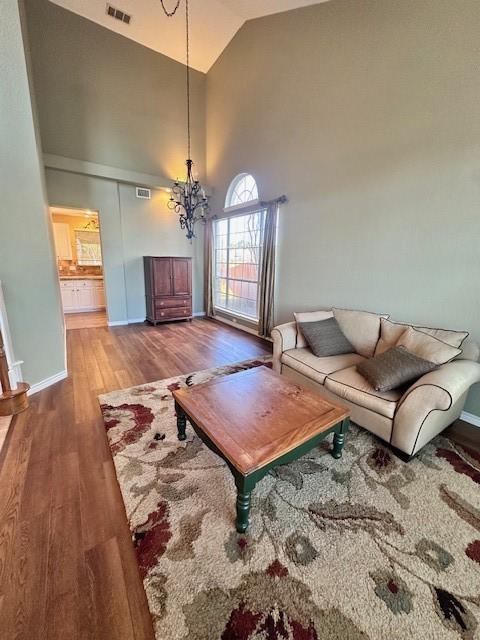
(27, 261)
(365, 114)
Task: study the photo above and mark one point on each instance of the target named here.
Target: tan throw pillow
(391, 331)
(427, 347)
(393, 368)
(361, 328)
(453, 338)
(308, 316)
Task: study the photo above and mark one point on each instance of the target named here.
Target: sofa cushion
(427, 347)
(393, 368)
(305, 362)
(390, 332)
(325, 338)
(470, 351)
(308, 316)
(361, 328)
(352, 386)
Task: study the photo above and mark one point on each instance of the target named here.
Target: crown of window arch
(242, 190)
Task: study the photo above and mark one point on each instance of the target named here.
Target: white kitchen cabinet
(63, 246)
(98, 295)
(85, 298)
(68, 296)
(82, 295)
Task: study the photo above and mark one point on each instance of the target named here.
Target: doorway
(79, 262)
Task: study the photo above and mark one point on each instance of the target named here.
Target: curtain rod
(257, 206)
(279, 200)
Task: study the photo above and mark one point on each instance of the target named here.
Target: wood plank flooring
(86, 320)
(67, 564)
(4, 424)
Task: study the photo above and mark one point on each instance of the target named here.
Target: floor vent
(118, 14)
(142, 192)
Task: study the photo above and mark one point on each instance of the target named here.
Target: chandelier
(187, 198)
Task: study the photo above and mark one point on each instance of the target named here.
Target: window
(89, 251)
(238, 244)
(243, 190)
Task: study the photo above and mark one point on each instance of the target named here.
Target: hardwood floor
(4, 424)
(464, 434)
(86, 320)
(67, 564)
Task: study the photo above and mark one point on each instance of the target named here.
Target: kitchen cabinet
(68, 296)
(61, 236)
(82, 295)
(168, 288)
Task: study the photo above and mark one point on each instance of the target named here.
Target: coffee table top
(256, 416)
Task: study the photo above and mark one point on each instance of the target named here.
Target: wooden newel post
(12, 401)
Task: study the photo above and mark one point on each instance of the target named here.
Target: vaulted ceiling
(213, 23)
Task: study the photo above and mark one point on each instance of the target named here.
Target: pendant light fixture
(188, 198)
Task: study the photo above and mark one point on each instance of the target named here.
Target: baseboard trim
(43, 384)
(471, 418)
(199, 314)
(84, 310)
(236, 325)
(123, 323)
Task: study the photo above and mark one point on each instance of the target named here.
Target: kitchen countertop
(81, 277)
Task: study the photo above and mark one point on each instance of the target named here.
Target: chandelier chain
(188, 78)
(168, 13)
(188, 199)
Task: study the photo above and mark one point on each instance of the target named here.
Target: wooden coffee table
(256, 420)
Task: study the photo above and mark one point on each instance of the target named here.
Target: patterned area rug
(362, 547)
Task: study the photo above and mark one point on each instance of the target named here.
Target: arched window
(242, 190)
(238, 238)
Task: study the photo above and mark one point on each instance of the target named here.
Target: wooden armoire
(168, 288)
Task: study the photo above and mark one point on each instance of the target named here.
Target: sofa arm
(284, 338)
(432, 403)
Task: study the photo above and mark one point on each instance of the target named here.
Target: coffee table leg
(339, 439)
(243, 509)
(181, 422)
(244, 491)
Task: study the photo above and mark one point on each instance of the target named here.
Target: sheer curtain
(89, 251)
(208, 287)
(267, 268)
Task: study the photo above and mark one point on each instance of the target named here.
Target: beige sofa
(407, 419)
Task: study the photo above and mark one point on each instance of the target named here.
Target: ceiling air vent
(141, 192)
(118, 14)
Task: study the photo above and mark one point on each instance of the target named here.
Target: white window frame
(231, 211)
(231, 189)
